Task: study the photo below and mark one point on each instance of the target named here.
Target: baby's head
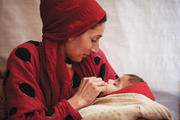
(122, 82)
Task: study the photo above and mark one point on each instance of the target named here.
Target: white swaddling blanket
(126, 106)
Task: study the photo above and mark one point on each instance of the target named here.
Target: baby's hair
(134, 79)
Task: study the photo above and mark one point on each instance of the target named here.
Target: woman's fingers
(102, 88)
(95, 82)
(89, 89)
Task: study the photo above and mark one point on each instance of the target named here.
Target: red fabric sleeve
(105, 70)
(24, 94)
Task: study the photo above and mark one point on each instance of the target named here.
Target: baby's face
(114, 85)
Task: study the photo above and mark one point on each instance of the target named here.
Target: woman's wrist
(76, 102)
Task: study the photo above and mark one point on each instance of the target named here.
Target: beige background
(20, 22)
(141, 37)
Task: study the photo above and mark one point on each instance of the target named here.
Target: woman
(67, 71)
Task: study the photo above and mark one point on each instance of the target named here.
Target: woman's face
(77, 48)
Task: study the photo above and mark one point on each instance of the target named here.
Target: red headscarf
(62, 19)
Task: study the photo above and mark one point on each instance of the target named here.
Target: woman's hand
(87, 92)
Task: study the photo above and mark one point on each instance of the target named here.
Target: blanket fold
(125, 106)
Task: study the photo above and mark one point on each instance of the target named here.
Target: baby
(126, 98)
(128, 83)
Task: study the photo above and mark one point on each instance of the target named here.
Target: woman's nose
(95, 48)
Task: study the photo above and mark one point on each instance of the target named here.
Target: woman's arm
(25, 99)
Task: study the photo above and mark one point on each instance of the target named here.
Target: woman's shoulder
(26, 51)
(29, 47)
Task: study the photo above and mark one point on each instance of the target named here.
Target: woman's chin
(77, 60)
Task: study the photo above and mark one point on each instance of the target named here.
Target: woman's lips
(85, 55)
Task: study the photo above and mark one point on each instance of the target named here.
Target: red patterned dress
(33, 96)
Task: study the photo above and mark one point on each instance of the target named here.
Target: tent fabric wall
(20, 22)
(141, 37)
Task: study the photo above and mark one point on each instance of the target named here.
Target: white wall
(143, 37)
(19, 22)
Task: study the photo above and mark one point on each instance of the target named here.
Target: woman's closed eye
(93, 41)
(96, 38)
